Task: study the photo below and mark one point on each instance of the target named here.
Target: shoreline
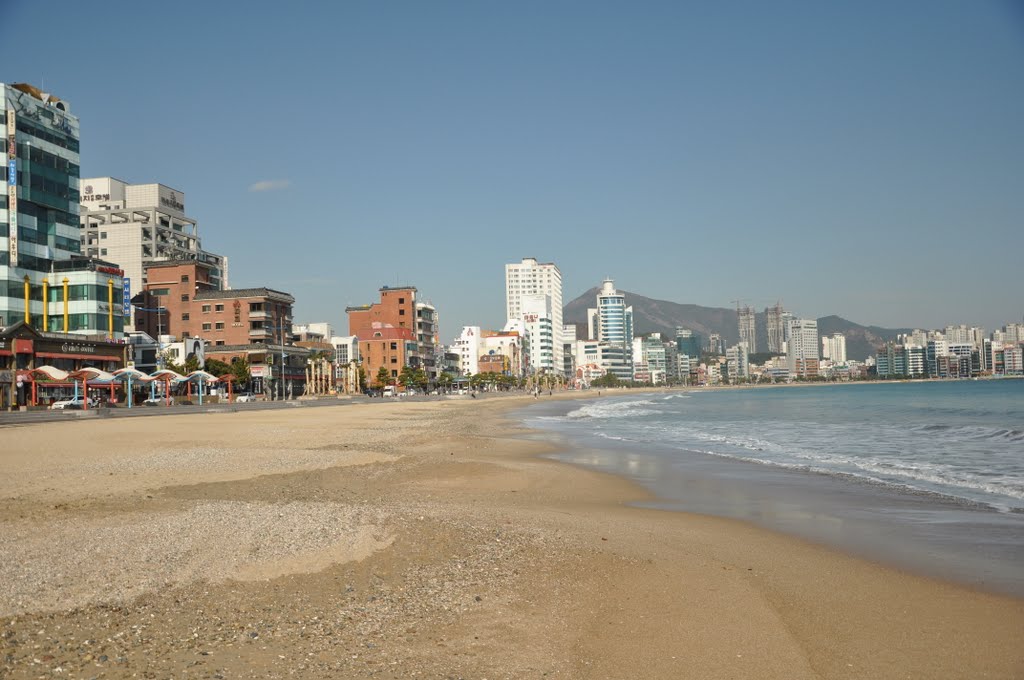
(429, 536)
(933, 533)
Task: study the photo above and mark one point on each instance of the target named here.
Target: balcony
(261, 314)
(259, 333)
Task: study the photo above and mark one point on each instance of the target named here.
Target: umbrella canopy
(50, 372)
(124, 374)
(168, 374)
(90, 373)
(201, 376)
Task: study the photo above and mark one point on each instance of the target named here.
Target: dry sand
(425, 540)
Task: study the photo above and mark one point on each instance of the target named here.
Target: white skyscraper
(834, 348)
(528, 279)
(536, 313)
(802, 348)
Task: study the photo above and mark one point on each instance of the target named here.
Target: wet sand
(424, 539)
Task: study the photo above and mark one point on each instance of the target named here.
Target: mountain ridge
(654, 315)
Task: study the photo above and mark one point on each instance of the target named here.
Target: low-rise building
(23, 348)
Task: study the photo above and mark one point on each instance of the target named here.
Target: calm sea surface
(924, 475)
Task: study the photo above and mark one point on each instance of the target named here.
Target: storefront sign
(73, 348)
(110, 270)
(22, 346)
(258, 371)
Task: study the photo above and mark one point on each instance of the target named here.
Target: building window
(103, 252)
(401, 301)
(394, 345)
(255, 307)
(394, 373)
(184, 278)
(394, 360)
(184, 297)
(207, 326)
(219, 343)
(160, 291)
(103, 234)
(184, 317)
(218, 308)
(206, 309)
(401, 312)
(220, 325)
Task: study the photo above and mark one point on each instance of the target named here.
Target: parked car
(154, 401)
(73, 403)
(245, 398)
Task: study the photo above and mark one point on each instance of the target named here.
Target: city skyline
(817, 155)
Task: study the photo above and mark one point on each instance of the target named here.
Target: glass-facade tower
(39, 207)
(612, 326)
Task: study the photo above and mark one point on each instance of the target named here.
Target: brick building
(386, 332)
(397, 307)
(387, 346)
(180, 299)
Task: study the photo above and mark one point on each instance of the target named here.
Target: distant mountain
(651, 315)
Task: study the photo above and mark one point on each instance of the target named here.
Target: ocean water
(924, 475)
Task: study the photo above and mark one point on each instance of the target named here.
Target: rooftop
(243, 293)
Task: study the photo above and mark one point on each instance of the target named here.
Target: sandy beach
(426, 539)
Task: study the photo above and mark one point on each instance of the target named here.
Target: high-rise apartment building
(715, 344)
(538, 329)
(138, 224)
(802, 348)
(737, 361)
(688, 343)
(746, 319)
(775, 328)
(530, 278)
(834, 348)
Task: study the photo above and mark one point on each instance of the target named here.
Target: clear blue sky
(864, 158)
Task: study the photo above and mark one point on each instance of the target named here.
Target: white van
(389, 391)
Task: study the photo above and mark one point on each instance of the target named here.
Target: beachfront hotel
(139, 224)
(524, 282)
(611, 323)
(802, 348)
